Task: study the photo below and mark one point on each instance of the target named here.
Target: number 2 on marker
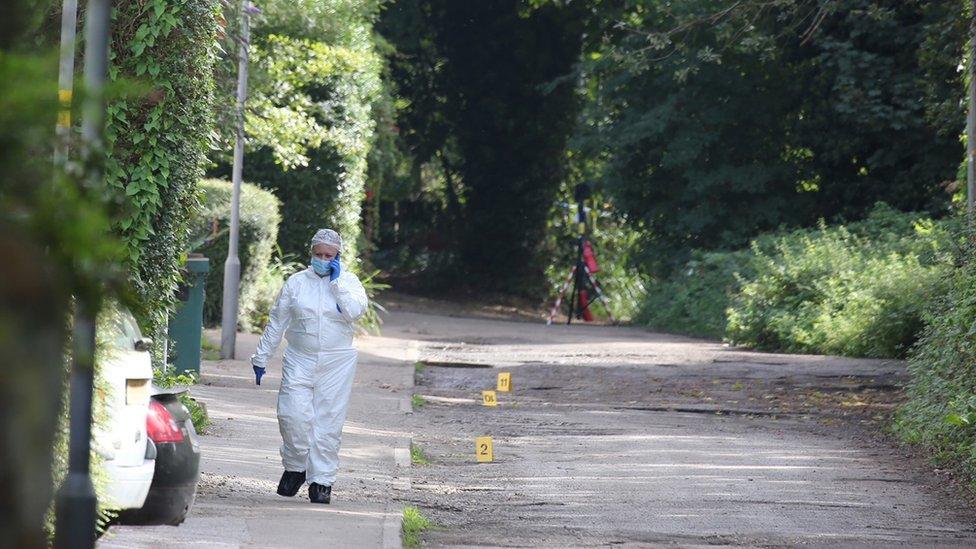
(483, 450)
(504, 382)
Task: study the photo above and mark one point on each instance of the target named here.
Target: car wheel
(179, 519)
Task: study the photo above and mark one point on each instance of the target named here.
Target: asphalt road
(611, 436)
(616, 436)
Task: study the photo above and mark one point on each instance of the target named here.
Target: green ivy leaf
(141, 32)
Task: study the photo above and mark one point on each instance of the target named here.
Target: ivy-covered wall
(163, 52)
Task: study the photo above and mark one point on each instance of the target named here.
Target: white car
(129, 454)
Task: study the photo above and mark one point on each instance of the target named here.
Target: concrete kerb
(393, 523)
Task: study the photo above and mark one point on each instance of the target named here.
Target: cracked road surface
(618, 436)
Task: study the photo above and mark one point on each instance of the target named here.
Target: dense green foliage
(693, 299)
(941, 413)
(855, 290)
(482, 110)
(258, 231)
(314, 78)
(56, 243)
(727, 120)
(158, 137)
(337, 85)
(614, 243)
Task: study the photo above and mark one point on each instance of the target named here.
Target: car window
(123, 330)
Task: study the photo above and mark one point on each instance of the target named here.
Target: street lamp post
(66, 74)
(76, 504)
(232, 266)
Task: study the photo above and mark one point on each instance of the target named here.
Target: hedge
(854, 290)
(259, 219)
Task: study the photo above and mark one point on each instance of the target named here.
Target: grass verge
(208, 349)
(414, 524)
(417, 455)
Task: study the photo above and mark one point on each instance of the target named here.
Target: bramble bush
(940, 415)
(855, 290)
(693, 300)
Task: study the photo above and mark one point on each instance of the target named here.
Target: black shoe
(319, 494)
(290, 483)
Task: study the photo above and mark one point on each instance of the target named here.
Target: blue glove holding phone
(336, 268)
(334, 273)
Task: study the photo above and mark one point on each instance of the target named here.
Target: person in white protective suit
(315, 312)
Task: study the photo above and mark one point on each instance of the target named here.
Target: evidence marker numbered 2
(483, 450)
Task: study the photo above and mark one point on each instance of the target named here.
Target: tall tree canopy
(485, 93)
(714, 121)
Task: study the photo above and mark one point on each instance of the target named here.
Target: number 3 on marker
(484, 450)
(504, 382)
(488, 398)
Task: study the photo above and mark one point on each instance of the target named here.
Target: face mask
(320, 266)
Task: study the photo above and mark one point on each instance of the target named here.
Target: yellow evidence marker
(504, 382)
(483, 450)
(488, 398)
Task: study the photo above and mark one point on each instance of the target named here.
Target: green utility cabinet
(186, 326)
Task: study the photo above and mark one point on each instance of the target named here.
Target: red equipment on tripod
(581, 274)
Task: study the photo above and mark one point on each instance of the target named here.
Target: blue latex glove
(334, 274)
(336, 268)
(258, 374)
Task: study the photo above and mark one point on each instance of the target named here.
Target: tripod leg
(599, 294)
(575, 294)
(559, 297)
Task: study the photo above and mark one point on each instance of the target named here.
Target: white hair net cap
(327, 236)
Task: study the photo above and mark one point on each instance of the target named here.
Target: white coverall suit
(318, 367)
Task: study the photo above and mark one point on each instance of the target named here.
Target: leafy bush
(693, 300)
(167, 378)
(259, 220)
(259, 294)
(370, 321)
(855, 290)
(940, 415)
